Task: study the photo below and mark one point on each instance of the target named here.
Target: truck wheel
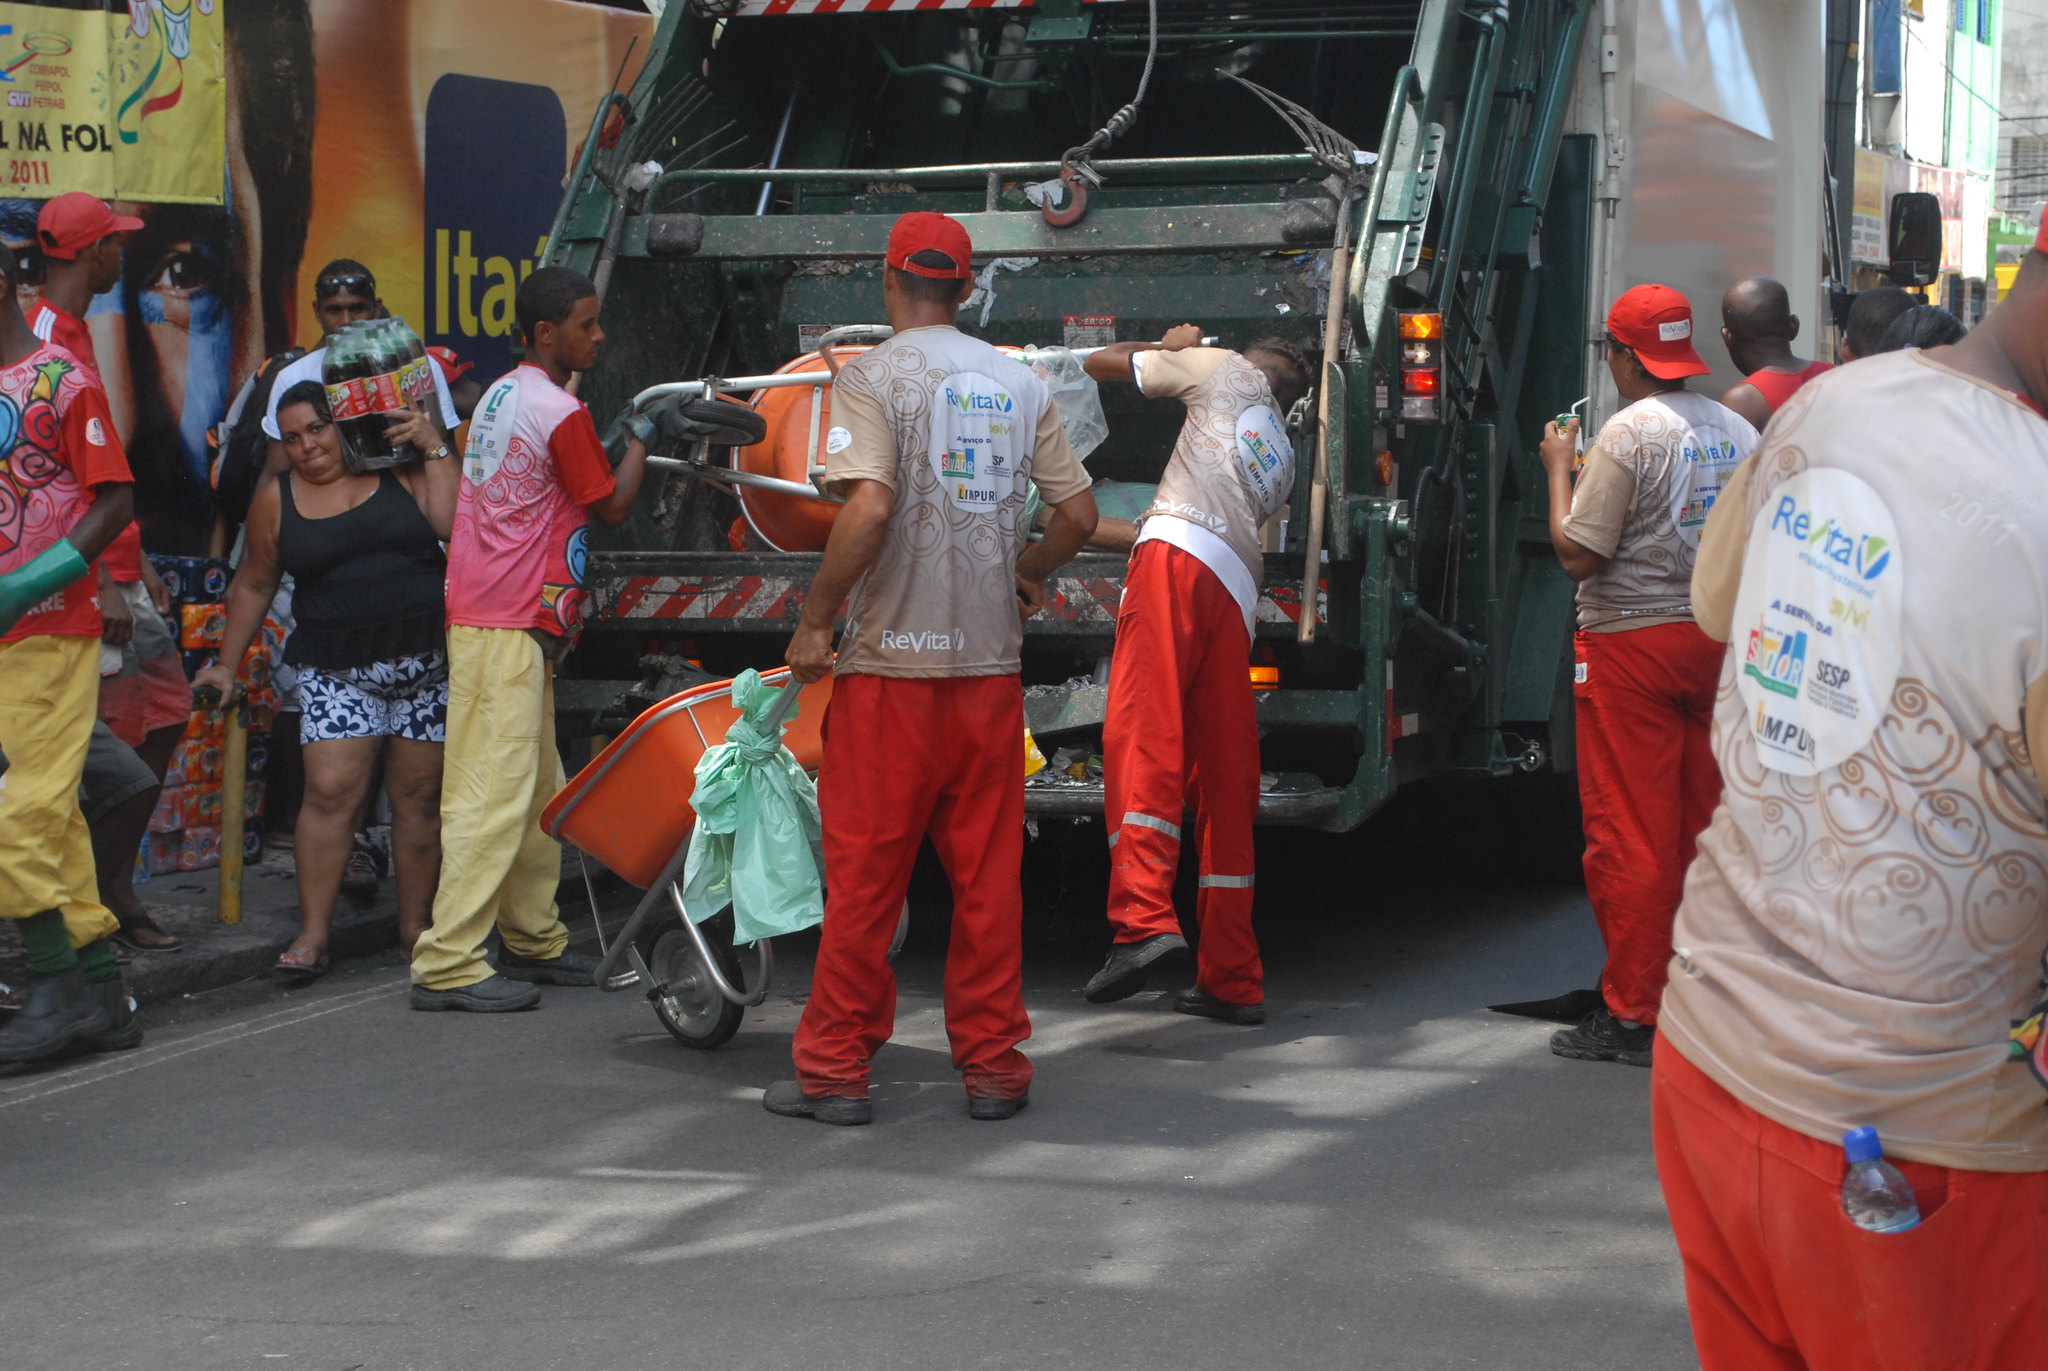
(684, 997)
(737, 425)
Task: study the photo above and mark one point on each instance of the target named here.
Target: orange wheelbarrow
(630, 809)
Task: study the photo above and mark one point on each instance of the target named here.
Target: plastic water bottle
(1874, 1195)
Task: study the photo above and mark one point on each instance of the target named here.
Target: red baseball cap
(1655, 323)
(75, 221)
(451, 365)
(923, 231)
(2041, 235)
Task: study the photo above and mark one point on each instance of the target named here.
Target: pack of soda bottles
(375, 370)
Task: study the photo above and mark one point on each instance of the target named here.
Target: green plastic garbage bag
(758, 844)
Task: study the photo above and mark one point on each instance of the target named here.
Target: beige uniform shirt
(1231, 468)
(955, 429)
(1867, 917)
(1642, 498)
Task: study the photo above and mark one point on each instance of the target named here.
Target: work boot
(1197, 1001)
(491, 995)
(1129, 966)
(788, 1099)
(995, 1106)
(570, 968)
(60, 1010)
(1600, 1037)
(124, 1029)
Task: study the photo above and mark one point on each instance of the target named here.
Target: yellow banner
(128, 104)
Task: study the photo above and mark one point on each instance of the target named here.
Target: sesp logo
(1863, 555)
(975, 402)
(1776, 660)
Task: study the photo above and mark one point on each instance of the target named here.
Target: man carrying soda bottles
(533, 476)
(934, 436)
(1860, 943)
(71, 495)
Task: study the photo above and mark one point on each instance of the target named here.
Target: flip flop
(302, 971)
(125, 937)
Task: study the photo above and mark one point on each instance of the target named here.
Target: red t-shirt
(531, 467)
(1778, 386)
(124, 555)
(59, 443)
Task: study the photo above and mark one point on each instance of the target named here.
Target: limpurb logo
(1864, 555)
(974, 402)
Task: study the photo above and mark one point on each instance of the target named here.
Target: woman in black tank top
(365, 555)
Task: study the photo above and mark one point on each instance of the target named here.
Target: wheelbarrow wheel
(685, 998)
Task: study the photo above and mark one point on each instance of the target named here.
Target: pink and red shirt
(123, 556)
(56, 444)
(531, 468)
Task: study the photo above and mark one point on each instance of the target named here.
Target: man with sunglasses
(1644, 674)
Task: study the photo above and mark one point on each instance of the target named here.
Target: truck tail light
(1422, 376)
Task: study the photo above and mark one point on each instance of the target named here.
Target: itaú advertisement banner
(123, 100)
(427, 139)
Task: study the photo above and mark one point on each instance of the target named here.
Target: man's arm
(1746, 400)
(1558, 453)
(1717, 567)
(611, 511)
(117, 621)
(1113, 363)
(855, 542)
(1073, 521)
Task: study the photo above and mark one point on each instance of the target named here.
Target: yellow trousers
(499, 769)
(49, 690)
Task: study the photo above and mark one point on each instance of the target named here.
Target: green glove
(35, 581)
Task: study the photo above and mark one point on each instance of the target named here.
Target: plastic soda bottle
(1874, 1195)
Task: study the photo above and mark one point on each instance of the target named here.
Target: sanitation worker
(67, 495)
(1180, 724)
(1861, 939)
(934, 436)
(1644, 674)
(533, 477)
(1758, 327)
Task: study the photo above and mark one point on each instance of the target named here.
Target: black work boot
(1600, 1037)
(1130, 965)
(1197, 1001)
(60, 1010)
(123, 1029)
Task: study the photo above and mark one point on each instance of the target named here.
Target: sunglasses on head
(340, 285)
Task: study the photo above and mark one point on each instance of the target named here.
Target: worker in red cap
(1181, 726)
(1644, 674)
(934, 436)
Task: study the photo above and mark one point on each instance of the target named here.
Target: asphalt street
(1383, 1175)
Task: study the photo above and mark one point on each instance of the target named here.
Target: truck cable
(1075, 172)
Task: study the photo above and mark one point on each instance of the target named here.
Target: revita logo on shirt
(924, 640)
(1829, 546)
(974, 402)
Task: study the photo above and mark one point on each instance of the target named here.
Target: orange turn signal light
(1265, 678)
(1422, 326)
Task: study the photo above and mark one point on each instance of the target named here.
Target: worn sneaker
(1130, 965)
(359, 877)
(787, 1098)
(570, 968)
(492, 995)
(59, 1011)
(1600, 1037)
(1195, 1000)
(995, 1106)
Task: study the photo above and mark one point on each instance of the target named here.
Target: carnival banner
(125, 100)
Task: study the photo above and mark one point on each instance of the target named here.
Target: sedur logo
(924, 640)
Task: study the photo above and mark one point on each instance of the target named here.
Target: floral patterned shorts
(406, 697)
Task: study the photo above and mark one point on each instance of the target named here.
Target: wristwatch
(438, 453)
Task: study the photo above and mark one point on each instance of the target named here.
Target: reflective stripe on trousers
(1146, 821)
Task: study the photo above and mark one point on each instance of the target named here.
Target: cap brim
(126, 224)
(1672, 366)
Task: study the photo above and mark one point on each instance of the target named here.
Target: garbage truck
(1436, 201)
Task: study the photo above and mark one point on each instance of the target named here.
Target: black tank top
(370, 584)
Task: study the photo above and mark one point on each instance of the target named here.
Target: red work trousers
(1647, 785)
(904, 758)
(1778, 1279)
(1181, 732)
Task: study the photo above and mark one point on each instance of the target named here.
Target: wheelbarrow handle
(785, 701)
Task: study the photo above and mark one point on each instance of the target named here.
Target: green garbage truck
(1435, 200)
